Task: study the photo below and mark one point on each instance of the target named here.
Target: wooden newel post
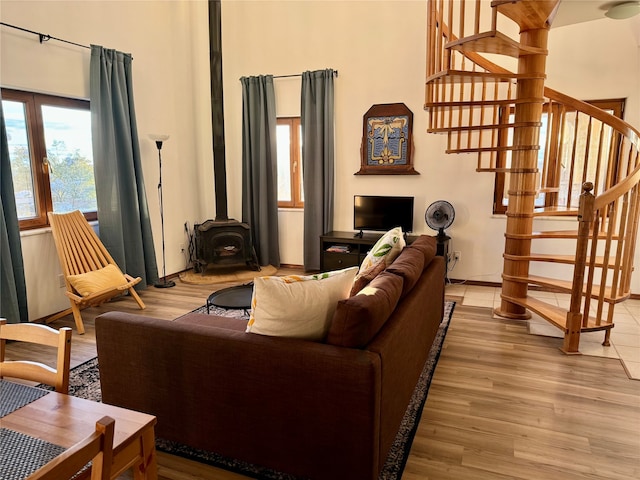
(574, 316)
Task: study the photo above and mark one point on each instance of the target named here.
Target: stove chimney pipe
(217, 110)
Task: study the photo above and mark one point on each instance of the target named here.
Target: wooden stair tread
(472, 128)
(464, 76)
(557, 234)
(555, 212)
(565, 286)
(501, 170)
(554, 314)
(493, 42)
(493, 149)
(553, 258)
(528, 14)
(482, 103)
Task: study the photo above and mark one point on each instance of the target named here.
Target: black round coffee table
(238, 297)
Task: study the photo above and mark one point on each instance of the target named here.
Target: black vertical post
(217, 110)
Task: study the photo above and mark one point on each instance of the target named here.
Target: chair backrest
(79, 248)
(57, 377)
(97, 448)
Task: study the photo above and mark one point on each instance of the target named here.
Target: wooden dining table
(64, 420)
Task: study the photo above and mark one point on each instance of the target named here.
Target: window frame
(295, 162)
(615, 105)
(38, 150)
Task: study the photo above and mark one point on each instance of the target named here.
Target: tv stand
(345, 249)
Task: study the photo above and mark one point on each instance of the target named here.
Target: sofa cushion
(364, 278)
(409, 266)
(298, 306)
(359, 318)
(428, 245)
(97, 280)
(386, 249)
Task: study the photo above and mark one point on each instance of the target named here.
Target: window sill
(44, 230)
(290, 209)
(35, 231)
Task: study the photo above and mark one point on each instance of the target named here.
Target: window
(49, 140)
(568, 182)
(289, 145)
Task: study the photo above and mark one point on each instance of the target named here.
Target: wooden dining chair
(91, 275)
(97, 448)
(57, 377)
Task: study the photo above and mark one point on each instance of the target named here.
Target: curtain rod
(43, 37)
(335, 73)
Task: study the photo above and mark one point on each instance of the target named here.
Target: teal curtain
(123, 214)
(317, 119)
(13, 290)
(259, 166)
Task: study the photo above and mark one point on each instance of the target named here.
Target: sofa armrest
(276, 402)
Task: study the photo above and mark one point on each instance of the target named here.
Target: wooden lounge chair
(36, 371)
(91, 275)
(97, 448)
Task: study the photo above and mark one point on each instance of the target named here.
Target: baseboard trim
(481, 283)
(292, 266)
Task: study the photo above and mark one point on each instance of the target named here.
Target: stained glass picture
(387, 141)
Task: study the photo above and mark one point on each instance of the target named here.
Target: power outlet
(457, 256)
(61, 283)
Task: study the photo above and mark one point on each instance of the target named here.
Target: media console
(343, 249)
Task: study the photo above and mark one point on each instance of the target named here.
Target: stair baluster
(584, 146)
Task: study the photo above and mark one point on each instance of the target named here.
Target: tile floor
(625, 336)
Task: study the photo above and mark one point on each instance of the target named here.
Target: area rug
(85, 383)
(215, 275)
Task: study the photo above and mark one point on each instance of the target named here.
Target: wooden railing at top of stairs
(589, 166)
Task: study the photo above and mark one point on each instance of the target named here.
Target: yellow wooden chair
(36, 371)
(97, 448)
(91, 275)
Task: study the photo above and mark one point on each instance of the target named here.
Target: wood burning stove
(223, 243)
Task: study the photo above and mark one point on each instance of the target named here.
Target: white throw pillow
(386, 249)
(298, 306)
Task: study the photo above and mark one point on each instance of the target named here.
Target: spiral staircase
(584, 164)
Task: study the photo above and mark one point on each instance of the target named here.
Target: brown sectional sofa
(315, 410)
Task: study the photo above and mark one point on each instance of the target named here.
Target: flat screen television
(378, 213)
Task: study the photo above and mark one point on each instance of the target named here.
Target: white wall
(379, 51)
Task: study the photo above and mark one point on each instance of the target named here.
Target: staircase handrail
(614, 122)
(619, 189)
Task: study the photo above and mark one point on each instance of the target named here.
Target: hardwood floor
(503, 404)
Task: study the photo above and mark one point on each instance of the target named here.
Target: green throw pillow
(386, 249)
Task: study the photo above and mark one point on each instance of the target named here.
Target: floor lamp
(163, 283)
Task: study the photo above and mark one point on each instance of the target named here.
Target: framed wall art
(387, 141)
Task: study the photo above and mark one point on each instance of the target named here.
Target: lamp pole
(162, 284)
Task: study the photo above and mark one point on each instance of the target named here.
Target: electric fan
(439, 216)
